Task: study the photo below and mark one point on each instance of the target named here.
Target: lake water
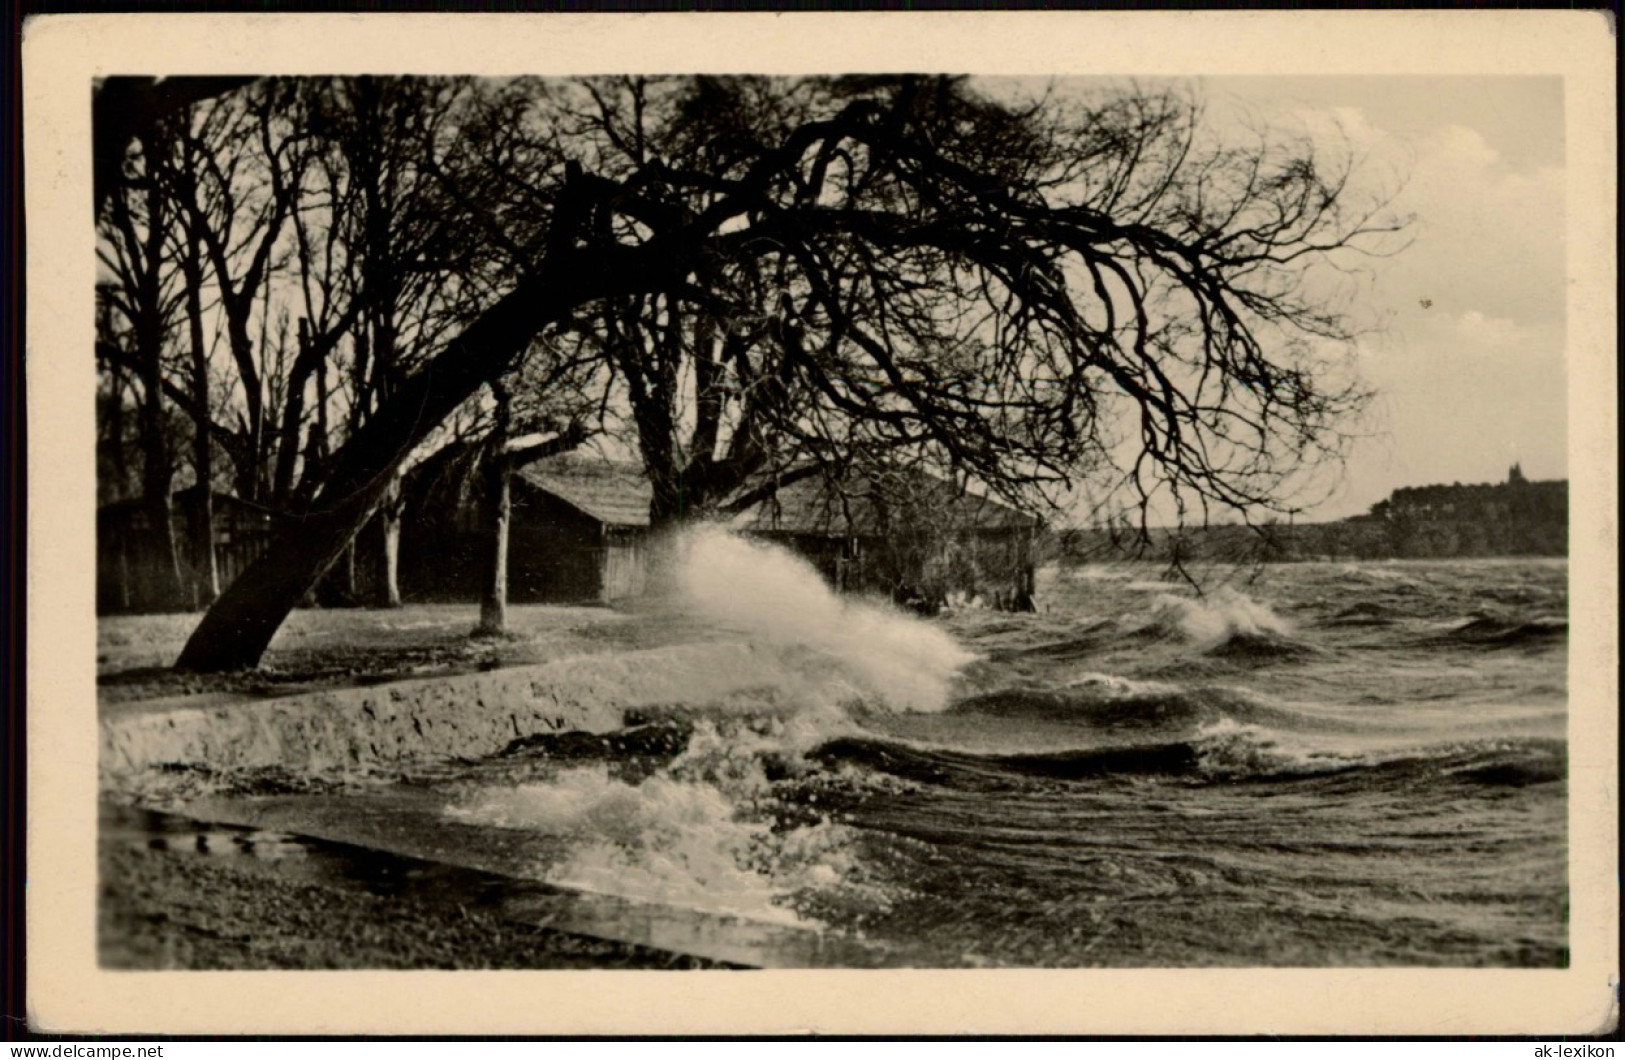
(1320, 764)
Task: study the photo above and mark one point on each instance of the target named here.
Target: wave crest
(778, 598)
(1216, 618)
(675, 839)
(1225, 752)
(1492, 631)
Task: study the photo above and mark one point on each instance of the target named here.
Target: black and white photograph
(882, 518)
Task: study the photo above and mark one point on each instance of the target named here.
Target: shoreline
(569, 670)
(164, 910)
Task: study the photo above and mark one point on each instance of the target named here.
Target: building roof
(616, 494)
(858, 506)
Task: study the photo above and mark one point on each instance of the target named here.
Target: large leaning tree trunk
(237, 629)
(235, 632)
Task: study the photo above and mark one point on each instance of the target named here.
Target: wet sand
(162, 910)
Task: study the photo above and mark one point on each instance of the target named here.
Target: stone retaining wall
(464, 716)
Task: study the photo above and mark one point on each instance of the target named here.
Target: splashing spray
(776, 597)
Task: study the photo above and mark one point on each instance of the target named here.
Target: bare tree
(126, 109)
(205, 571)
(135, 224)
(389, 232)
(1000, 282)
(551, 404)
(236, 188)
(498, 459)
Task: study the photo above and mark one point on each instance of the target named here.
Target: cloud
(1485, 235)
(1488, 331)
(1478, 333)
(1470, 367)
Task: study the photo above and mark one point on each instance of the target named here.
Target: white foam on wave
(776, 597)
(662, 841)
(693, 836)
(1218, 617)
(1115, 686)
(702, 833)
(1229, 749)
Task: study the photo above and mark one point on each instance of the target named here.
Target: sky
(1469, 357)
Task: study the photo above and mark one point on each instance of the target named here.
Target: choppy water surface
(1314, 764)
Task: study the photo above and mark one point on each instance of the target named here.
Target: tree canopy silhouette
(1030, 290)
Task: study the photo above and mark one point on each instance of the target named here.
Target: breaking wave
(778, 598)
(1106, 704)
(1223, 752)
(1213, 620)
(702, 828)
(1495, 632)
(880, 763)
(662, 841)
(700, 834)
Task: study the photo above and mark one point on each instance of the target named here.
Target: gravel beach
(160, 910)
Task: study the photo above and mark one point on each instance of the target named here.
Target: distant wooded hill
(1512, 518)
